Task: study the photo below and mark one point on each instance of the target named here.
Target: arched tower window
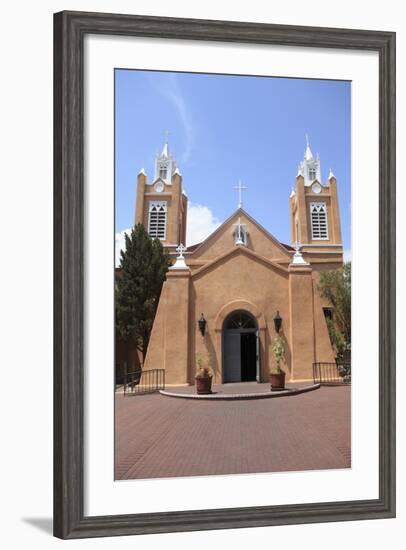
(157, 220)
(318, 216)
(312, 173)
(163, 170)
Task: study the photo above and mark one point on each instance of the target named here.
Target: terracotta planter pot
(277, 381)
(203, 384)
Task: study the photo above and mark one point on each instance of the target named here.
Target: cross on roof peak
(240, 187)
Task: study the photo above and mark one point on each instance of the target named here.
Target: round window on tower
(316, 188)
(159, 187)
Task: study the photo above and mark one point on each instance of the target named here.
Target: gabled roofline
(240, 250)
(252, 220)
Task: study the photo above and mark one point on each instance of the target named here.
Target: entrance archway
(240, 348)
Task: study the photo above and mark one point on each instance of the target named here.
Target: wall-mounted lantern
(277, 321)
(202, 324)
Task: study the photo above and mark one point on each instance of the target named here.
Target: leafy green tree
(335, 286)
(138, 285)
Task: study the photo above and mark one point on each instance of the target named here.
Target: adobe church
(241, 282)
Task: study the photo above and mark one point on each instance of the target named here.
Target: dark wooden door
(248, 356)
(232, 356)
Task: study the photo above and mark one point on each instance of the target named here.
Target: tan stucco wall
(240, 280)
(301, 337)
(168, 346)
(230, 281)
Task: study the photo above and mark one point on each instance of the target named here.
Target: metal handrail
(144, 381)
(325, 373)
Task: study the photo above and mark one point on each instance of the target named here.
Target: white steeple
(165, 151)
(308, 152)
(165, 165)
(309, 168)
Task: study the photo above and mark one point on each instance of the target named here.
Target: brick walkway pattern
(159, 436)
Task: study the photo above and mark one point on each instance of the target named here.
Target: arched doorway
(240, 348)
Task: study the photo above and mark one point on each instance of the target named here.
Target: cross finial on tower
(297, 245)
(181, 249)
(180, 260)
(307, 140)
(240, 189)
(166, 132)
(297, 256)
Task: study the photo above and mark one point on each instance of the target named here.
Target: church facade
(240, 280)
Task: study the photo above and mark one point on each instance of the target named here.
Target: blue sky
(226, 128)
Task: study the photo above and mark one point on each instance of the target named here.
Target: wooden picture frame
(69, 31)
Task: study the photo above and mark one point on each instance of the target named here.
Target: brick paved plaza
(160, 436)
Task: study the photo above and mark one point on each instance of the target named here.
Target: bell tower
(161, 205)
(314, 208)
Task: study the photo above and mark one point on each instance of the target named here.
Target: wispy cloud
(200, 223)
(168, 86)
(347, 255)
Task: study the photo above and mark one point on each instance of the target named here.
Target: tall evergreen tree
(143, 266)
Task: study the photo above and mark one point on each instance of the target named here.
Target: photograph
(201, 205)
(232, 275)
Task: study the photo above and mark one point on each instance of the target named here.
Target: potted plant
(343, 362)
(277, 378)
(204, 375)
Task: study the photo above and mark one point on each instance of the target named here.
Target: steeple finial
(308, 152)
(331, 175)
(165, 164)
(165, 150)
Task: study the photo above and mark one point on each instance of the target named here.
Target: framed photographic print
(224, 274)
